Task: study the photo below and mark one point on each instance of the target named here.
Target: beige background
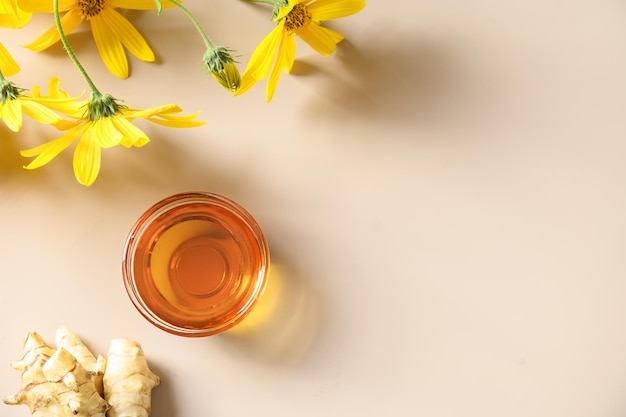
(444, 200)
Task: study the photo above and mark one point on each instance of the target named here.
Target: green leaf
(159, 6)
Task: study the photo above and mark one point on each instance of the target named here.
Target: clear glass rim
(163, 206)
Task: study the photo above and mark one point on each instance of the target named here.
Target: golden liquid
(198, 267)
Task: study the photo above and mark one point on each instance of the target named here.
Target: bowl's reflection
(284, 323)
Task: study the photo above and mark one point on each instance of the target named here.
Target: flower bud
(223, 67)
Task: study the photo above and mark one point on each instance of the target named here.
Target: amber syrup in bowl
(194, 264)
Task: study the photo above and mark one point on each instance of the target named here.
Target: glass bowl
(194, 264)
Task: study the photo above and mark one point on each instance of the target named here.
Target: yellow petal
(11, 113)
(188, 118)
(54, 89)
(174, 122)
(58, 100)
(170, 120)
(333, 9)
(39, 112)
(263, 56)
(284, 11)
(286, 52)
(12, 16)
(69, 22)
(142, 114)
(38, 6)
(36, 91)
(162, 115)
(69, 106)
(127, 34)
(8, 66)
(133, 136)
(64, 124)
(246, 83)
(46, 152)
(105, 133)
(289, 54)
(87, 157)
(322, 39)
(110, 47)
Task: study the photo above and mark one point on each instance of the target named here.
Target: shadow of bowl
(283, 326)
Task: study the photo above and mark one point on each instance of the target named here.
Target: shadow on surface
(161, 163)
(160, 166)
(162, 403)
(382, 80)
(10, 160)
(12, 171)
(284, 324)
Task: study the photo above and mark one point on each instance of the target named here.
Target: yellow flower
(14, 103)
(297, 17)
(8, 66)
(11, 16)
(112, 32)
(104, 124)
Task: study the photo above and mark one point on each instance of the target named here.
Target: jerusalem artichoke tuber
(70, 341)
(82, 397)
(71, 381)
(128, 382)
(36, 353)
(36, 391)
(56, 385)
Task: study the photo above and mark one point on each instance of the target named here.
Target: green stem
(70, 52)
(276, 4)
(195, 22)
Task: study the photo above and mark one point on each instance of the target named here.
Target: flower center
(297, 18)
(90, 8)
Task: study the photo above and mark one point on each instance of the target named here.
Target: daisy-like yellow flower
(295, 17)
(103, 125)
(112, 32)
(15, 102)
(11, 16)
